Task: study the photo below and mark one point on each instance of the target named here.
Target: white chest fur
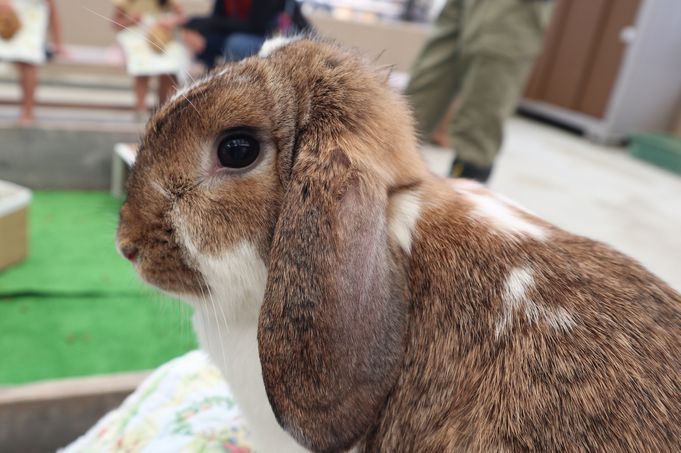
(226, 323)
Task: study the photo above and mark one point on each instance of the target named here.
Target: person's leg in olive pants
(490, 90)
(433, 79)
(481, 51)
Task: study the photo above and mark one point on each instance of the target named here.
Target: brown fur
(610, 384)
(365, 344)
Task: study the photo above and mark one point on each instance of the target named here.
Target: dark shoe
(465, 170)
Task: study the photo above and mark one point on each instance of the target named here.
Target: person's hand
(168, 22)
(59, 50)
(6, 5)
(194, 41)
(133, 18)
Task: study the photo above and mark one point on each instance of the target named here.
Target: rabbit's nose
(130, 252)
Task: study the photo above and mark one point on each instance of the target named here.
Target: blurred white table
(124, 155)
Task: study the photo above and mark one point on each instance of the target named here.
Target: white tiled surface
(591, 190)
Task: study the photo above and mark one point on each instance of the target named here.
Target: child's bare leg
(28, 75)
(141, 90)
(167, 84)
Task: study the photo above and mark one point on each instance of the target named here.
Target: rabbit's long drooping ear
(332, 326)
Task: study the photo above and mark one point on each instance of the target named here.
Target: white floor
(595, 191)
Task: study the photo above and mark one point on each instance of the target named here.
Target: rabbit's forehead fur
(174, 199)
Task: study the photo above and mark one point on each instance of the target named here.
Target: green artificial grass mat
(75, 307)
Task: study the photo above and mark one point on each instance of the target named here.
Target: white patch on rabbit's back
(514, 298)
(273, 44)
(559, 319)
(519, 280)
(463, 186)
(403, 213)
(504, 217)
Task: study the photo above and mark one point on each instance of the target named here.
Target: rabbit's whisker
(217, 323)
(190, 103)
(224, 320)
(200, 316)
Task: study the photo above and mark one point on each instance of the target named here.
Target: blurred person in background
(236, 29)
(166, 14)
(28, 70)
(481, 53)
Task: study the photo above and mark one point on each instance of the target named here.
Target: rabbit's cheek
(163, 269)
(149, 241)
(235, 279)
(233, 273)
(163, 263)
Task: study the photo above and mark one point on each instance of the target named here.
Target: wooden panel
(13, 237)
(62, 409)
(582, 30)
(676, 124)
(536, 84)
(607, 59)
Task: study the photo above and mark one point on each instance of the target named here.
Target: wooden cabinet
(603, 55)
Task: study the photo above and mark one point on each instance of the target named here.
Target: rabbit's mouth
(157, 257)
(157, 266)
(178, 280)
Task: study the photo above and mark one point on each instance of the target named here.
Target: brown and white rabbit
(390, 310)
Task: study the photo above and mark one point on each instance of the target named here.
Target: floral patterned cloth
(184, 406)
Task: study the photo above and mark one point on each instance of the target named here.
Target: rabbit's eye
(238, 151)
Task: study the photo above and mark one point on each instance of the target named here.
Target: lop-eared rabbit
(354, 300)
